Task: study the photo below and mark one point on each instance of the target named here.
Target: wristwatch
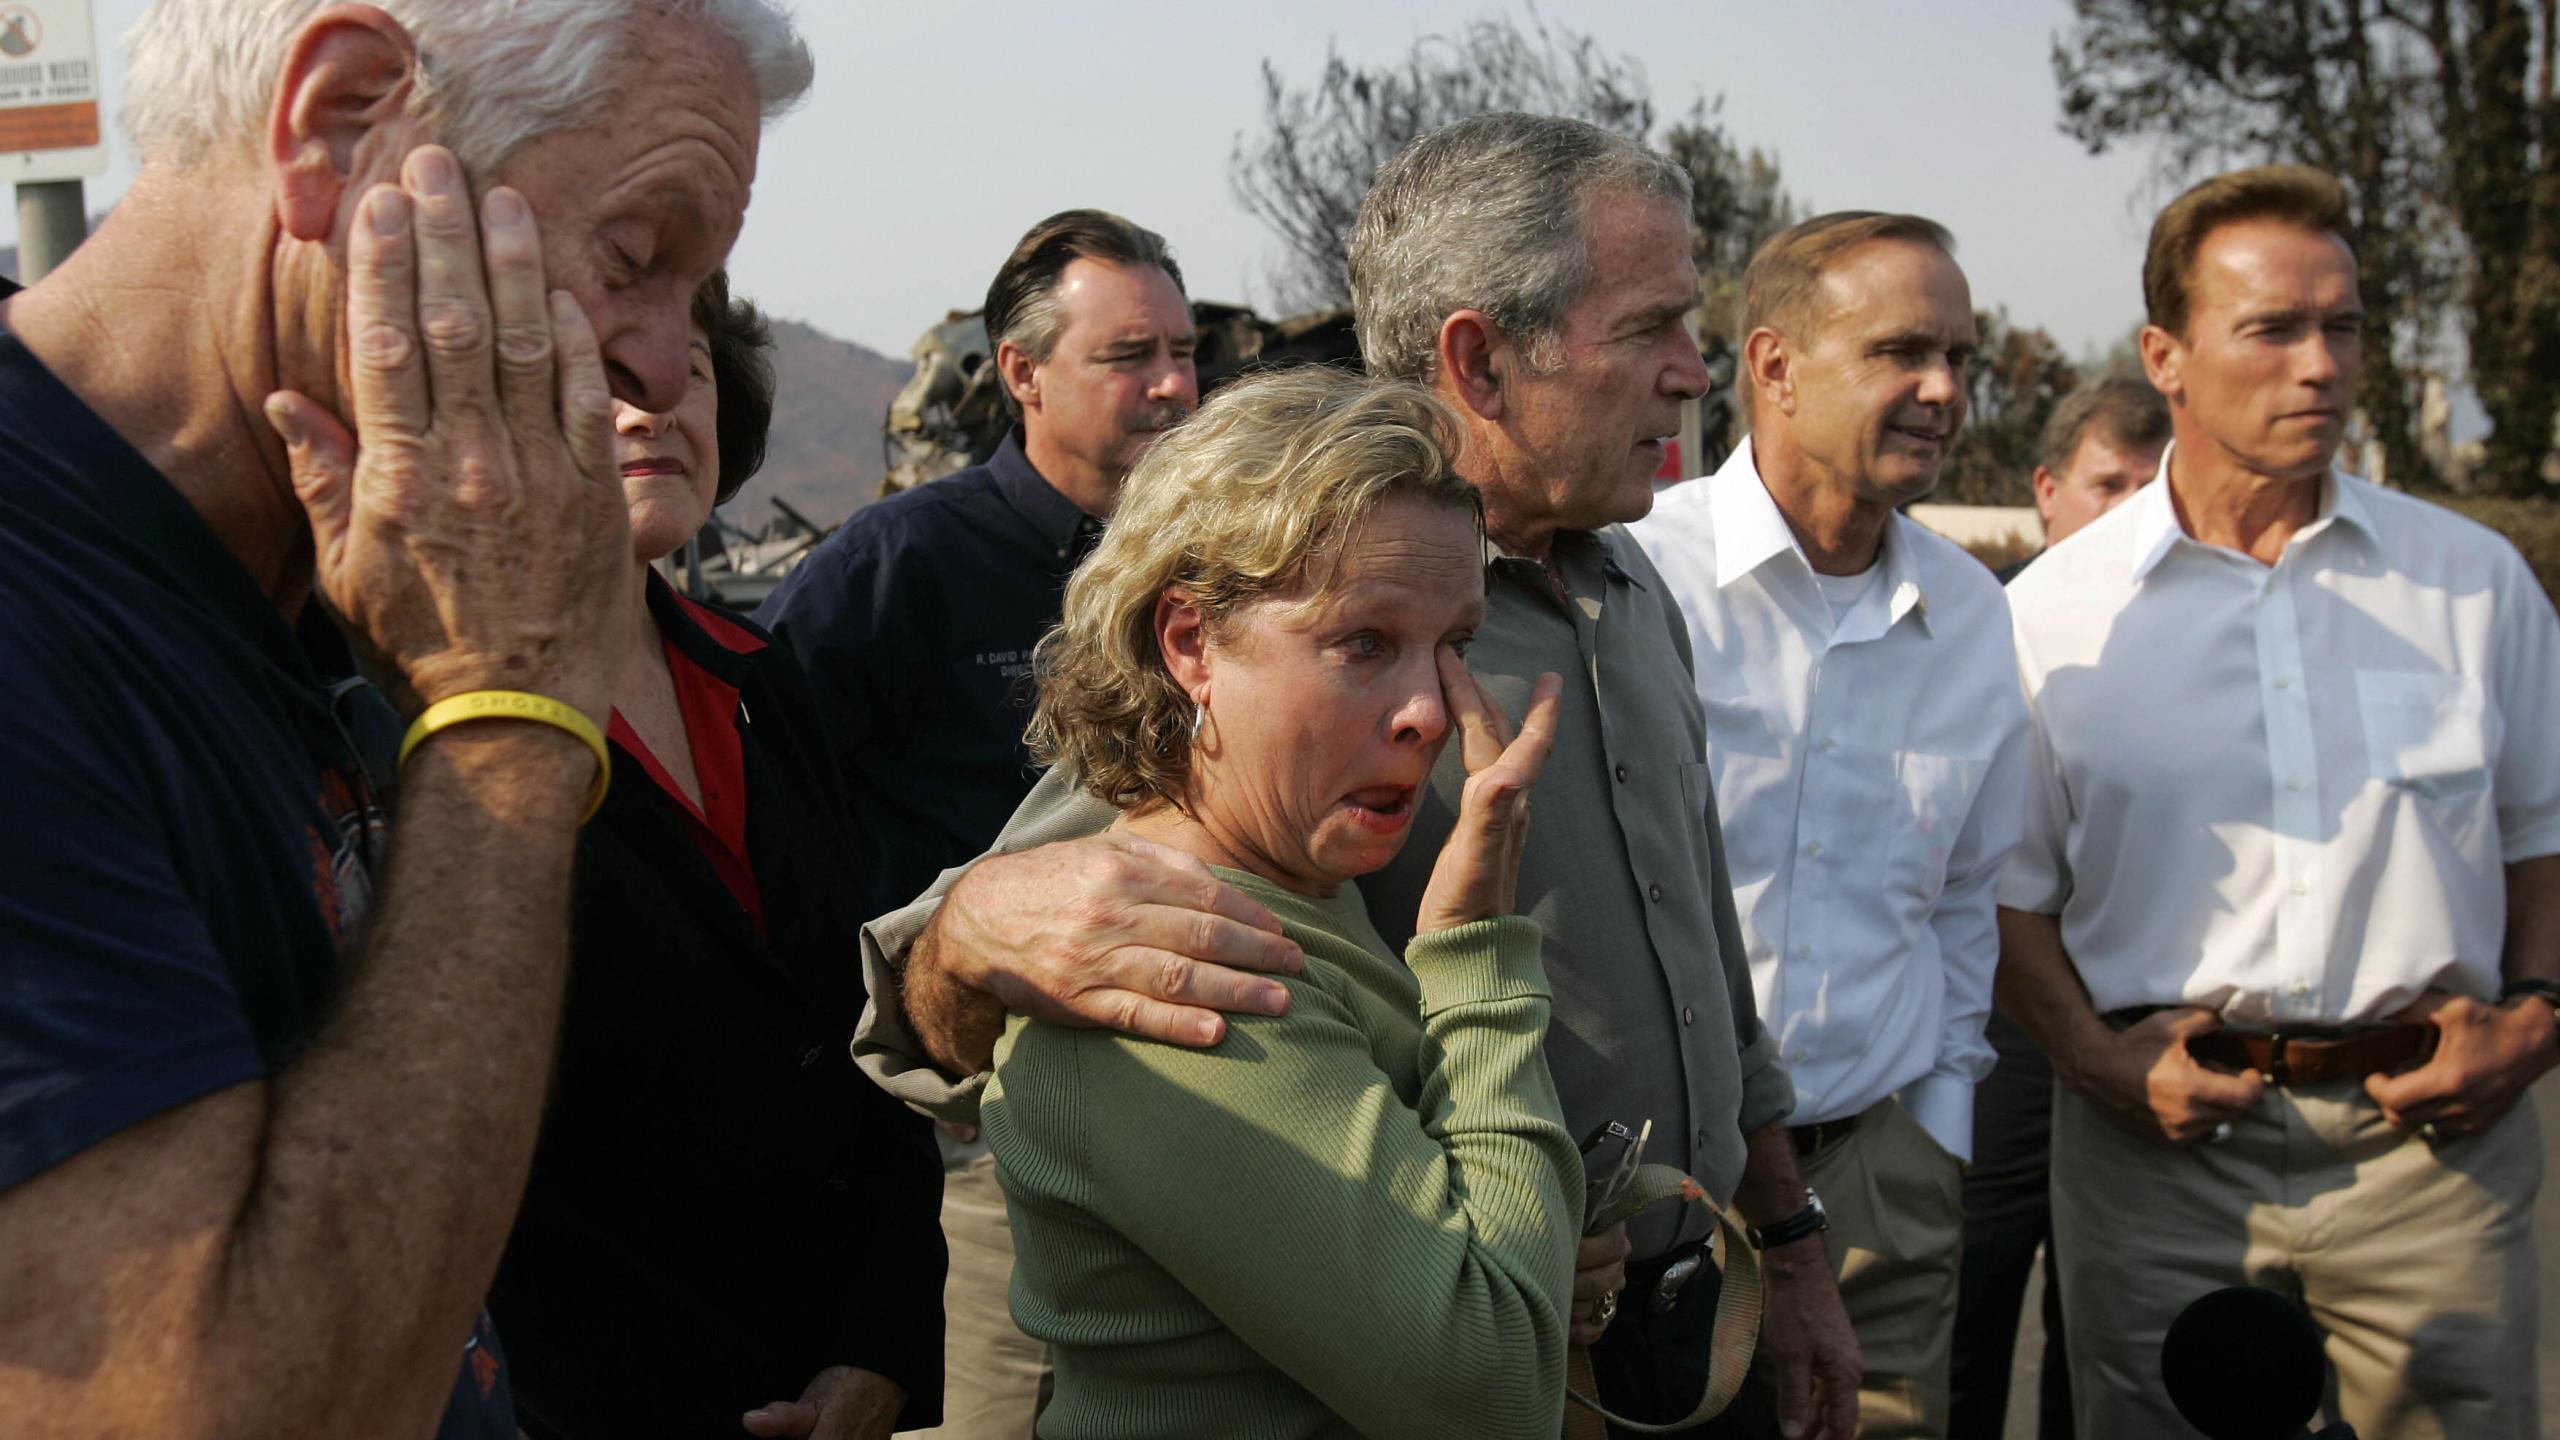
(2543, 990)
(1809, 1221)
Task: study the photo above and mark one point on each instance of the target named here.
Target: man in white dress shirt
(1866, 739)
(2287, 916)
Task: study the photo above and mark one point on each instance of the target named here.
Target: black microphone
(2245, 1364)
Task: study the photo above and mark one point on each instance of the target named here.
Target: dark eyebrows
(1902, 341)
(2297, 316)
(1660, 315)
(1143, 344)
(2289, 317)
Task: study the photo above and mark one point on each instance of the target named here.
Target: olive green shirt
(1355, 1219)
(1624, 872)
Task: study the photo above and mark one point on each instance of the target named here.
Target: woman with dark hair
(726, 1226)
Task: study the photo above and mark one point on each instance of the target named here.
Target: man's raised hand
(470, 532)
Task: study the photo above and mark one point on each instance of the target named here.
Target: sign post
(50, 135)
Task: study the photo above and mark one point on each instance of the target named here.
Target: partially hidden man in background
(2287, 916)
(1535, 274)
(1867, 742)
(2101, 444)
(916, 622)
(269, 1075)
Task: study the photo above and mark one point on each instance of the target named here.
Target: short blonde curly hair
(1256, 495)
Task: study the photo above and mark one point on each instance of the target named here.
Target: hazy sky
(938, 132)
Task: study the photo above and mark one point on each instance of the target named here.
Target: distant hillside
(825, 453)
(824, 457)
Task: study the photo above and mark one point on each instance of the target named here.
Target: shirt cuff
(1943, 1105)
(2531, 842)
(1483, 962)
(883, 1047)
(1768, 1092)
(2030, 885)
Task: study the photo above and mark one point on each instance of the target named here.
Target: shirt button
(2301, 987)
(1688, 1016)
(811, 1056)
(1825, 747)
(1622, 774)
(2284, 682)
(1804, 952)
(1813, 848)
(2301, 887)
(2293, 784)
(1653, 893)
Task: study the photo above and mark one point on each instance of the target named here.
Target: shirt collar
(1751, 531)
(1904, 590)
(1055, 518)
(2157, 531)
(706, 639)
(1602, 544)
(2340, 500)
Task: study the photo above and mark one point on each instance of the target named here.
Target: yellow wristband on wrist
(473, 705)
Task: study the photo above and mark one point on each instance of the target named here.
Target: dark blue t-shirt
(190, 830)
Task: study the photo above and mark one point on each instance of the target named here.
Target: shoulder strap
(1632, 1187)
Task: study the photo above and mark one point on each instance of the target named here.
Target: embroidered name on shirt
(1011, 664)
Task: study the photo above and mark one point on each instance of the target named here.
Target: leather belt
(2316, 1056)
(1812, 1140)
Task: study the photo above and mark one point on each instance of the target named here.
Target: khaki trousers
(994, 1377)
(2416, 1261)
(1896, 1202)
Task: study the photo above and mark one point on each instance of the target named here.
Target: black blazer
(721, 1205)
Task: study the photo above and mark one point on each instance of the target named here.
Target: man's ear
(2164, 362)
(1769, 369)
(347, 76)
(1476, 360)
(2045, 482)
(1019, 374)
(1182, 637)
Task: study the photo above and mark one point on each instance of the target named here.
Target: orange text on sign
(49, 127)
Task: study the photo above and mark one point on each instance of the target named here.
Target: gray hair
(1488, 214)
(496, 72)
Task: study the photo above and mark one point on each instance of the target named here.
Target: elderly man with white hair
(271, 1067)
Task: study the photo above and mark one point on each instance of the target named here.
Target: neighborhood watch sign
(49, 126)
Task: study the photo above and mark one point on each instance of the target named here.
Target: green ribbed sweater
(1355, 1219)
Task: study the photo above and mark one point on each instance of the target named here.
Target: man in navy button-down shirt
(916, 621)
